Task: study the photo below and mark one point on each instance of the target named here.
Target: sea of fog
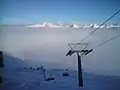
(48, 46)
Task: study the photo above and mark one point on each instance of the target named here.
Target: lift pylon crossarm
(78, 43)
(70, 52)
(83, 52)
(71, 45)
(88, 51)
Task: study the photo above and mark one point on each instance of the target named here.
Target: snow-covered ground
(20, 79)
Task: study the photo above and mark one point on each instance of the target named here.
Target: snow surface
(20, 79)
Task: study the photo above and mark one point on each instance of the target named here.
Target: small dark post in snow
(44, 73)
(1, 65)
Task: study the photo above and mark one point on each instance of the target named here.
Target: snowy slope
(15, 79)
(33, 80)
(12, 62)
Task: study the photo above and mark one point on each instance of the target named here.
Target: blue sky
(34, 11)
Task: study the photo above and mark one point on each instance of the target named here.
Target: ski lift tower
(80, 53)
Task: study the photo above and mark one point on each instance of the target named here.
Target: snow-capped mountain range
(71, 25)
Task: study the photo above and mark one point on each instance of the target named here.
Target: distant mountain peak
(70, 25)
